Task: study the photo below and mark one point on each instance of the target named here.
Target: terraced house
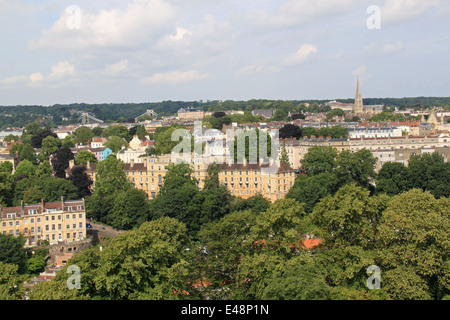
(62, 221)
(246, 180)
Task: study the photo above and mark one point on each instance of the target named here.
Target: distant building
(52, 221)
(246, 180)
(190, 114)
(264, 113)
(360, 108)
(372, 132)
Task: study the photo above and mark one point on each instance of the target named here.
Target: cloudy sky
(106, 51)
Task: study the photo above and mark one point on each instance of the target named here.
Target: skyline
(61, 52)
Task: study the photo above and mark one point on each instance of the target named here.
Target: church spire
(358, 99)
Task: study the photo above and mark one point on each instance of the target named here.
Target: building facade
(246, 180)
(56, 222)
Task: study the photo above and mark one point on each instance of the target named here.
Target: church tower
(358, 108)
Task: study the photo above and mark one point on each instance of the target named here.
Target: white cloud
(301, 56)
(131, 28)
(180, 34)
(60, 73)
(294, 12)
(175, 77)
(116, 68)
(387, 48)
(404, 10)
(393, 47)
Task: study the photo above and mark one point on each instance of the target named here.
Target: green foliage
(25, 169)
(116, 143)
(148, 263)
(49, 188)
(12, 251)
(130, 209)
(110, 176)
(11, 282)
(310, 189)
(354, 167)
(84, 156)
(320, 159)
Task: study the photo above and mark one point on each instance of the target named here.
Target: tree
(116, 143)
(413, 245)
(130, 209)
(83, 135)
(357, 167)
(309, 131)
(223, 243)
(6, 167)
(320, 159)
(284, 157)
(430, 172)
(310, 189)
(84, 156)
(33, 195)
(24, 169)
(6, 188)
(12, 251)
(350, 217)
(50, 145)
(146, 263)
(51, 189)
(110, 176)
(110, 179)
(392, 178)
(335, 113)
(11, 282)
(300, 279)
(44, 169)
(256, 204)
(211, 203)
(36, 140)
(280, 228)
(290, 131)
(26, 152)
(163, 140)
(81, 180)
(178, 190)
(61, 160)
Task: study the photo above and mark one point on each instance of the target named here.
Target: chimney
(131, 163)
(245, 162)
(71, 164)
(88, 165)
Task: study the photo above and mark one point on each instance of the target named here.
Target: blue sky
(108, 51)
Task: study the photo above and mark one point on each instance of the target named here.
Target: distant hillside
(19, 116)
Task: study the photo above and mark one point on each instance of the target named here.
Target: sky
(134, 51)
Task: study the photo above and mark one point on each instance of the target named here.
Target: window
(32, 211)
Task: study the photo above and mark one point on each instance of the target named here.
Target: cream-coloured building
(62, 221)
(190, 114)
(149, 174)
(246, 180)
